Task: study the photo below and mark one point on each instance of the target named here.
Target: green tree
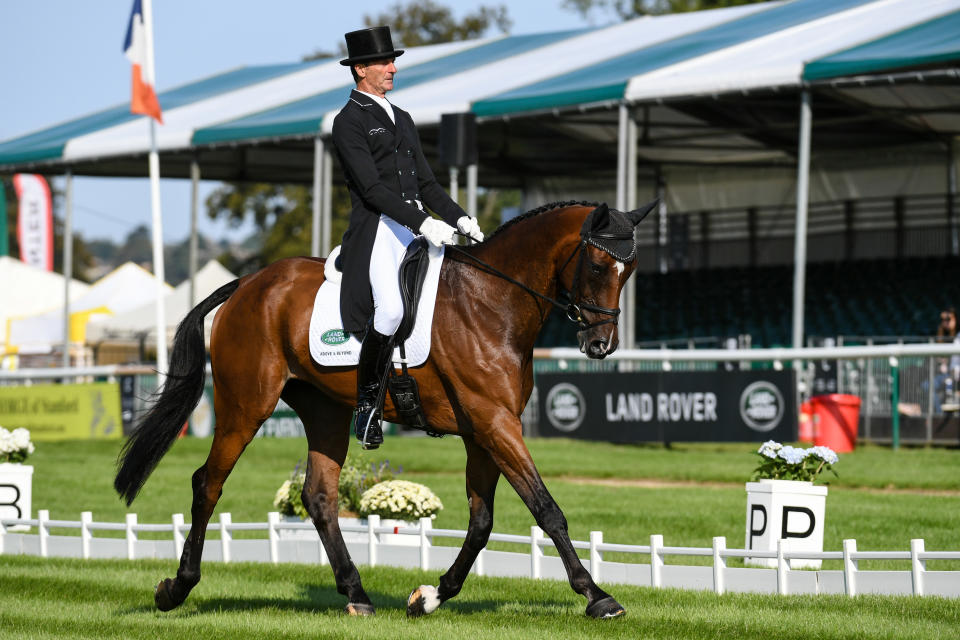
(426, 22)
(627, 9)
(283, 213)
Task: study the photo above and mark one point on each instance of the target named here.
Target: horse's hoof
(359, 609)
(422, 601)
(605, 608)
(162, 596)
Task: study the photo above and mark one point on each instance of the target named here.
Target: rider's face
(376, 77)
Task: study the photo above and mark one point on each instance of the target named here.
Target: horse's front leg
(508, 450)
(482, 476)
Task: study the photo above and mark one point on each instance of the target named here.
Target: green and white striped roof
(722, 51)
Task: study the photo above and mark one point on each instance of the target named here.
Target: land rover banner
(710, 406)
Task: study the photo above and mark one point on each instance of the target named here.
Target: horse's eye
(596, 269)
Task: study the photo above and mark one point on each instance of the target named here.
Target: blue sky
(63, 59)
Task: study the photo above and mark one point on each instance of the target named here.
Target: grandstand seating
(887, 297)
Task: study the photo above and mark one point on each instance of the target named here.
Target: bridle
(572, 309)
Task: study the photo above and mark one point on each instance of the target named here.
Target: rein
(572, 310)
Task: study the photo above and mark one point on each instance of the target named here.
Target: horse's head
(606, 256)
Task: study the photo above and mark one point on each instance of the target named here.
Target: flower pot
(16, 481)
(297, 534)
(355, 536)
(402, 539)
(789, 509)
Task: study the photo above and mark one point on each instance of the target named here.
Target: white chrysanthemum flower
(770, 449)
(400, 499)
(824, 453)
(792, 455)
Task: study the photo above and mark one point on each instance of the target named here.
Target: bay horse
(475, 383)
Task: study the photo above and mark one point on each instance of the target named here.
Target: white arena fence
(298, 542)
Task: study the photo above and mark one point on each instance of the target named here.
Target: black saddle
(403, 388)
(412, 273)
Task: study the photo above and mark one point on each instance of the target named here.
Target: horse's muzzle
(596, 348)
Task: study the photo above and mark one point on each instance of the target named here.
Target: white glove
(469, 226)
(437, 232)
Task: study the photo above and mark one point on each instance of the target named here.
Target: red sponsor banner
(34, 220)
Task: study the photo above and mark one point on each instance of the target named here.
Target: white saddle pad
(330, 346)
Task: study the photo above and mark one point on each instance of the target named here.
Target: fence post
(225, 536)
(425, 524)
(536, 553)
(273, 519)
(656, 561)
(895, 401)
(782, 567)
(373, 522)
(850, 567)
(719, 563)
(596, 539)
(917, 566)
(478, 563)
(177, 535)
(43, 515)
(131, 536)
(85, 519)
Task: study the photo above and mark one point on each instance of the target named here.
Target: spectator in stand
(947, 370)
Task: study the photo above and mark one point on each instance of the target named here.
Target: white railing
(367, 546)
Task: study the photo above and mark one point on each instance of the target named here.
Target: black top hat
(369, 44)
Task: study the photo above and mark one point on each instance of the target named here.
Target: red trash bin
(836, 416)
(805, 423)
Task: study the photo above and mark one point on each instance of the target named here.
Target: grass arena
(690, 493)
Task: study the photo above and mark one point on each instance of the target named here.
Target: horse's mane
(533, 212)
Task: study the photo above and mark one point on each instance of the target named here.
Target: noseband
(572, 309)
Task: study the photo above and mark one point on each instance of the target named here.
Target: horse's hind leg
(482, 476)
(235, 428)
(507, 448)
(328, 435)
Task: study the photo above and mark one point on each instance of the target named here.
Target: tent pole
(194, 208)
(629, 338)
(317, 195)
(952, 195)
(454, 184)
(471, 192)
(326, 214)
(623, 132)
(67, 265)
(800, 240)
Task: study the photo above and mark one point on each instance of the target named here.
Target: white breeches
(388, 250)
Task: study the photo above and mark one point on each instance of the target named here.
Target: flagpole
(154, 164)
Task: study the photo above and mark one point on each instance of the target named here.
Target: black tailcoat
(384, 166)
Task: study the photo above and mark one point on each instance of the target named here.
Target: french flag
(144, 100)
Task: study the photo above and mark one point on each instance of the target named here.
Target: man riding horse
(390, 184)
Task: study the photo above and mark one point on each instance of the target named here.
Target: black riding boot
(375, 352)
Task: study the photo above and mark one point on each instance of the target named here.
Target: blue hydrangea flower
(792, 455)
(824, 453)
(770, 449)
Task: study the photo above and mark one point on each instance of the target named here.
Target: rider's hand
(437, 232)
(469, 227)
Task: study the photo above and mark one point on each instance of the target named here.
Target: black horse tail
(155, 432)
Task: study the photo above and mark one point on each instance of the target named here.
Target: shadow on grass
(326, 600)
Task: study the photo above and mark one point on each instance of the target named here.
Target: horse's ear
(600, 216)
(637, 215)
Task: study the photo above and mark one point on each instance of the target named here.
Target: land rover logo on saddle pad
(565, 407)
(761, 406)
(334, 337)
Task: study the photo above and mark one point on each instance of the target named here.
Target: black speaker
(458, 139)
